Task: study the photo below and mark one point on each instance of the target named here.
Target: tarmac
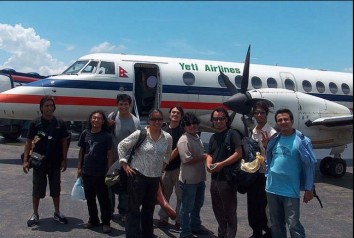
(335, 219)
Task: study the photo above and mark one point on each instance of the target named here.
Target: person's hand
(79, 172)
(308, 196)
(63, 165)
(25, 167)
(128, 170)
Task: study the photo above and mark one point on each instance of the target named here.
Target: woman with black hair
(95, 157)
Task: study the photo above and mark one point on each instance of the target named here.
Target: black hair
(284, 110)
(44, 99)
(154, 110)
(223, 110)
(124, 97)
(189, 118)
(105, 126)
(179, 108)
(261, 104)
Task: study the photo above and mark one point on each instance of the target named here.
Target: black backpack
(241, 179)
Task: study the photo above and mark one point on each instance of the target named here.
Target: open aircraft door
(147, 88)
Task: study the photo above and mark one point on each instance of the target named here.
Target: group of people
(173, 156)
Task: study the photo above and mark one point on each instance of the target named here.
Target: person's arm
(109, 158)
(28, 147)
(237, 155)
(64, 147)
(80, 162)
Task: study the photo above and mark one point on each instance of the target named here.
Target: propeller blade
(228, 83)
(246, 72)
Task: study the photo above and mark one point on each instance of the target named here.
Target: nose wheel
(335, 167)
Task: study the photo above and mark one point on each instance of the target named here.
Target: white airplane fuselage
(163, 82)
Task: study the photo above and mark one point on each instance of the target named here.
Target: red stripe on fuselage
(60, 100)
(84, 101)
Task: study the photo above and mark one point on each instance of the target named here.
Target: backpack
(116, 178)
(237, 177)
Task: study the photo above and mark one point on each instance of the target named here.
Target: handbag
(78, 193)
(116, 178)
(36, 160)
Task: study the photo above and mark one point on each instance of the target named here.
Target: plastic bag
(77, 193)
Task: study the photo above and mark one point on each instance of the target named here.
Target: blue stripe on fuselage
(207, 91)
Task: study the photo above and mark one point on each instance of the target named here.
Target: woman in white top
(144, 174)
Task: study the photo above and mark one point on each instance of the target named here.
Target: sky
(47, 37)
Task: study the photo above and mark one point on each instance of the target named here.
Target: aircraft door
(147, 88)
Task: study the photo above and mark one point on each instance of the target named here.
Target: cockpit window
(76, 67)
(91, 67)
(106, 68)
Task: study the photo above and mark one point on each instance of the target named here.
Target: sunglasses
(156, 119)
(189, 123)
(219, 118)
(262, 113)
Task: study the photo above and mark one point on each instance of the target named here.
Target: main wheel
(325, 165)
(338, 168)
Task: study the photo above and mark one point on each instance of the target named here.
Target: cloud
(349, 70)
(107, 47)
(27, 51)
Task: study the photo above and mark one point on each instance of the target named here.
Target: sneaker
(106, 229)
(59, 217)
(34, 220)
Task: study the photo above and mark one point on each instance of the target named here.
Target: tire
(325, 165)
(338, 168)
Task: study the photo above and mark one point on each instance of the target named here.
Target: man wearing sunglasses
(223, 194)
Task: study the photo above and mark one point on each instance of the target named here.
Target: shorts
(39, 181)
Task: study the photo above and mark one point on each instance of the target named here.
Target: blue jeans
(191, 203)
(285, 210)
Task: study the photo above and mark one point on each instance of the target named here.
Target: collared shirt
(148, 159)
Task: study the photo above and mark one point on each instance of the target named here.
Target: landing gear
(335, 167)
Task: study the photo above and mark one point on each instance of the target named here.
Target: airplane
(9, 78)
(322, 101)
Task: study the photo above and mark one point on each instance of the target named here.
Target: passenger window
(307, 86)
(188, 78)
(256, 82)
(333, 88)
(272, 83)
(320, 87)
(345, 88)
(289, 84)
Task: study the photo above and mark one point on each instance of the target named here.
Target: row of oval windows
(189, 79)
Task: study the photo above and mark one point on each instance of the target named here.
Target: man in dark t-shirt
(47, 135)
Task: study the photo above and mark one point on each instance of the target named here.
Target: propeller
(238, 101)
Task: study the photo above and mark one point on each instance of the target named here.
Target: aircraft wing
(333, 122)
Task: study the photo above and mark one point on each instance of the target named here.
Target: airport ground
(335, 219)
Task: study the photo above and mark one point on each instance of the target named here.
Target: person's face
(175, 115)
(97, 120)
(156, 120)
(284, 123)
(191, 127)
(260, 115)
(219, 121)
(123, 107)
(48, 108)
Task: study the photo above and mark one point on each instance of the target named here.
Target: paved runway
(334, 220)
